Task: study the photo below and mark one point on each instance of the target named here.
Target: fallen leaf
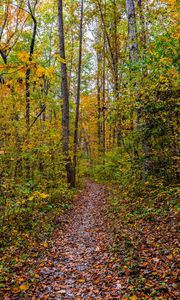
(133, 297)
(82, 280)
(23, 287)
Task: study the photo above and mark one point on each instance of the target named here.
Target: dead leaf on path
(82, 280)
(133, 297)
(170, 257)
(15, 290)
(21, 279)
(24, 287)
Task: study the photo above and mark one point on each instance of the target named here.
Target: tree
(31, 52)
(64, 94)
(78, 94)
(132, 30)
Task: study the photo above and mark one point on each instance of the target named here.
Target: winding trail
(81, 266)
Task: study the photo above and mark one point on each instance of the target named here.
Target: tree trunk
(27, 82)
(143, 29)
(104, 99)
(132, 31)
(28, 71)
(98, 101)
(78, 95)
(65, 97)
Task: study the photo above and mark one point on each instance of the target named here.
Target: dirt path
(81, 266)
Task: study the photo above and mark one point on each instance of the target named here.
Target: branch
(39, 114)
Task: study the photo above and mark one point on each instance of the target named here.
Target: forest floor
(79, 262)
(78, 265)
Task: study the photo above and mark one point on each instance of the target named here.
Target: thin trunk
(104, 100)
(28, 71)
(116, 77)
(64, 94)
(27, 82)
(78, 95)
(71, 62)
(143, 29)
(98, 101)
(107, 35)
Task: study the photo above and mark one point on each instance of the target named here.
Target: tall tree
(65, 96)
(78, 93)
(31, 52)
(132, 30)
(99, 61)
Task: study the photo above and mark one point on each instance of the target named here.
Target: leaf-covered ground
(83, 260)
(78, 265)
(145, 226)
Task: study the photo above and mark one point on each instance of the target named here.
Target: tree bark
(27, 82)
(143, 29)
(98, 101)
(28, 71)
(132, 31)
(65, 96)
(78, 95)
(104, 98)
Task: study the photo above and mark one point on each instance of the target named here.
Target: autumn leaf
(15, 290)
(133, 297)
(23, 287)
(23, 56)
(82, 280)
(45, 244)
(40, 71)
(20, 279)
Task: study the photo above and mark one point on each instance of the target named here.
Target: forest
(89, 149)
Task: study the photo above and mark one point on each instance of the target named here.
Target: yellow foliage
(23, 56)
(49, 72)
(40, 71)
(22, 71)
